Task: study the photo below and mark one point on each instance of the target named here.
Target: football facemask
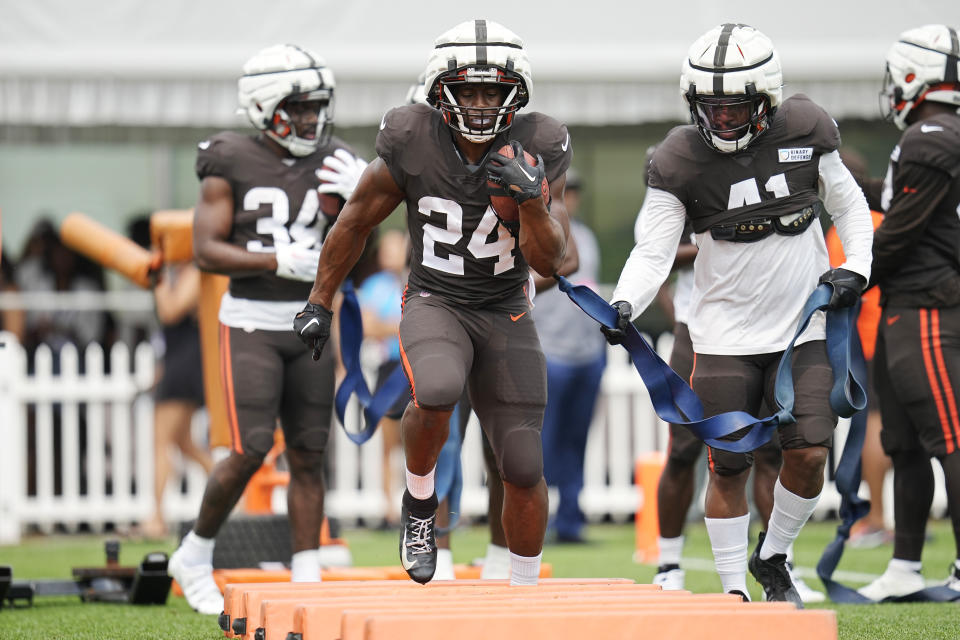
(729, 123)
(479, 103)
(303, 122)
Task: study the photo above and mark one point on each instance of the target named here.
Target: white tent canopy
(174, 63)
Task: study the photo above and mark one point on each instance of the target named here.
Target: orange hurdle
(320, 621)
(741, 623)
(236, 595)
(278, 614)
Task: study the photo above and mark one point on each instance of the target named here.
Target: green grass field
(607, 555)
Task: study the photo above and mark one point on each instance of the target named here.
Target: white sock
(904, 566)
(790, 555)
(524, 570)
(305, 566)
(196, 550)
(420, 487)
(670, 550)
(444, 569)
(790, 513)
(496, 564)
(728, 538)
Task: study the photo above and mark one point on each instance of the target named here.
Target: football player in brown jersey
(264, 208)
(466, 317)
(916, 263)
(750, 174)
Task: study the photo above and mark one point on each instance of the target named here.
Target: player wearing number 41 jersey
(265, 205)
(466, 319)
(750, 174)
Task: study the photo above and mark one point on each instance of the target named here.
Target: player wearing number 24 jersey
(466, 320)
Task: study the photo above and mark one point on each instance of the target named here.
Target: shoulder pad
(398, 126)
(543, 135)
(214, 153)
(934, 142)
(668, 169)
(800, 120)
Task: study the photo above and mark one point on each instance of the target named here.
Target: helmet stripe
(481, 28)
(950, 73)
(720, 54)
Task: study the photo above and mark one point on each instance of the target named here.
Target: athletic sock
(305, 566)
(728, 539)
(420, 487)
(524, 570)
(195, 550)
(904, 566)
(670, 550)
(790, 513)
(496, 564)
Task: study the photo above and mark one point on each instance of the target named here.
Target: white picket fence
(90, 458)
(82, 443)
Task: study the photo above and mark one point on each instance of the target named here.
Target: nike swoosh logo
(529, 177)
(566, 143)
(930, 128)
(204, 145)
(383, 122)
(313, 321)
(407, 564)
(515, 318)
(893, 319)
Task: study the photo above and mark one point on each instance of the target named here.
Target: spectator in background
(576, 357)
(380, 301)
(870, 531)
(11, 320)
(47, 265)
(179, 390)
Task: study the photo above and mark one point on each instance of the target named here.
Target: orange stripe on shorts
(926, 345)
(226, 374)
(951, 438)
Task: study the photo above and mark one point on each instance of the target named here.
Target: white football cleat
(806, 592)
(953, 582)
(669, 577)
(894, 583)
(197, 583)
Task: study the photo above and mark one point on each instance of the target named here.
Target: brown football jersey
(931, 146)
(460, 248)
(275, 201)
(776, 175)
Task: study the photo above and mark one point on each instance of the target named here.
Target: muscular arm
(212, 222)
(375, 198)
(544, 232)
(917, 192)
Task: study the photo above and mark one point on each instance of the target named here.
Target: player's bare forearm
(544, 232)
(375, 197)
(212, 223)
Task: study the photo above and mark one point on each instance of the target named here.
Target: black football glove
(847, 287)
(313, 327)
(619, 334)
(517, 179)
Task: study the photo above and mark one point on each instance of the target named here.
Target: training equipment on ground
(147, 583)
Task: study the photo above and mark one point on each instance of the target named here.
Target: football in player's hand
(330, 204)
(504, 204)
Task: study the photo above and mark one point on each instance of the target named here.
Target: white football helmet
(284, 79)
(733, 84)
(922, 65)
(478, 51)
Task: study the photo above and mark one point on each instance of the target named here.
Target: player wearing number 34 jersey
(265, 204)
(466, 320)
